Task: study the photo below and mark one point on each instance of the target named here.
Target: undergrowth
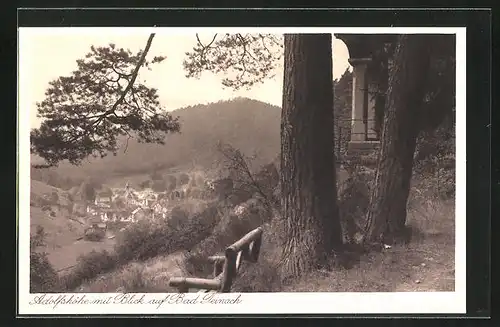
(209, 230)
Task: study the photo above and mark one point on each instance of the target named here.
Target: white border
(278, 303)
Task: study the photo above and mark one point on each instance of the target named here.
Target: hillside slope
(53, 215)
(62, 231)
(250, 125)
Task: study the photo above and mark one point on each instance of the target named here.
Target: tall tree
(439, 98)
(308, 181)
(245, 59)
(101, 103)
(406, 90)
(87, 190)
(342, 111)
(85, 114)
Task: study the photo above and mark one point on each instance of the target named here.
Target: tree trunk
(308, 182)
(387, 215)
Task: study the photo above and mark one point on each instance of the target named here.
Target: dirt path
(427, 266)
(435, 273)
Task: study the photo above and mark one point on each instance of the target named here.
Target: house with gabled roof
(104, 199)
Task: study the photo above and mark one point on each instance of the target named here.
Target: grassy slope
(60, 230)
(149, 276)
(427, 264)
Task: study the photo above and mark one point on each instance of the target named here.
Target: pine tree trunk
(386, 218)
(308, 181)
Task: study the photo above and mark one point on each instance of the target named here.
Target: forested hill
(249, 125)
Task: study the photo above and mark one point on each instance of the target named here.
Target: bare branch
(236, 161)
(205, 46)
(246, 56)
(134, 74)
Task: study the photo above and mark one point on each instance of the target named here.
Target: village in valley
(119, 207)
(128, 205)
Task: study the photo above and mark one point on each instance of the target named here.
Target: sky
(47, 53)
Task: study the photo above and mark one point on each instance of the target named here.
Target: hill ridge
(250, 125)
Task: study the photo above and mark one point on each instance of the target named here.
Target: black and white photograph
(247, 166)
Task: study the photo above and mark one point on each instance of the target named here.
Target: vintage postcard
(241, 170)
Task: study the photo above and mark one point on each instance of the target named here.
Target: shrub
(177, 216)
(238, 196)
(196, 260)
(436, 176)
(146, 240)
(435, 160)
(244, 181)
(132, 242)
(158, 185)
(155, 175)
(268, 175)
(145, 184)
(54, 197)
(134, 281)
(223, 187)
(43, 277)
(231, 227)
(183, 179)
(171, 182)
(88, 267)
(236, 223)
(353, 201)
(94, 234)
(262, 276)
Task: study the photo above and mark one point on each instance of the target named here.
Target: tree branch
(124, 93)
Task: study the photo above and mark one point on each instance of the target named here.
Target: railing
(343, 133)
(226, 266)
